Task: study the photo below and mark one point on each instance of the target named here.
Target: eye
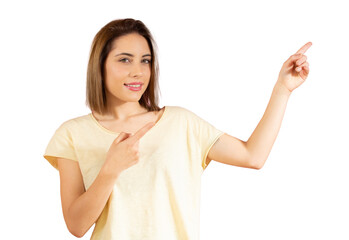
(124, 60)
(146, 61)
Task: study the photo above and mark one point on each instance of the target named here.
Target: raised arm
(254, 152)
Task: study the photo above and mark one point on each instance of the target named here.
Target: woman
(133, 168)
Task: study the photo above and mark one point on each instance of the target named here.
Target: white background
(219, 59)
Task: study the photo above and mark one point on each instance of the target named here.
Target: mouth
(134, 86)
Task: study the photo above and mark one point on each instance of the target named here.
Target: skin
(121, 68)
(254, 152)
(125, 112)
(82, 208)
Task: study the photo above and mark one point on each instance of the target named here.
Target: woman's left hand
(295, 70)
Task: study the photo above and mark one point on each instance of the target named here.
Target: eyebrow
(131, 55)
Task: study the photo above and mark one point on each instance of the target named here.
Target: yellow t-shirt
(159, 197)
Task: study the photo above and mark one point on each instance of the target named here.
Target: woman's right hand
(123, 152)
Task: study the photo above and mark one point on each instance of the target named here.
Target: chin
(134, 99)
(129, 97)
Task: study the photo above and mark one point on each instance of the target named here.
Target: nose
(136, 71)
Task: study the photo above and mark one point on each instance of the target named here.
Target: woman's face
(127, 68)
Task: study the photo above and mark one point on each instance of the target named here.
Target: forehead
(132, 42)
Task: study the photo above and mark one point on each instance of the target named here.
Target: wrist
(281, 89)
(109, 170)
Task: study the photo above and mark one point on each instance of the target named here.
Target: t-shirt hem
(53, 159)
(204, 165)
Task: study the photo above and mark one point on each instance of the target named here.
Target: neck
(122, 111)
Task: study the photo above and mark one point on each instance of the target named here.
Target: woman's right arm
(82, 208)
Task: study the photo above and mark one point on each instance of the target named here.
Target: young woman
(132, 168)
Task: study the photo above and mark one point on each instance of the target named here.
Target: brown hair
(96, 98)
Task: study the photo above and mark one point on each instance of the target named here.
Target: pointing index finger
(141, 132)
(303, 49)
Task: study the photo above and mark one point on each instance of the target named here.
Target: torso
(131, 125)
(134, 124)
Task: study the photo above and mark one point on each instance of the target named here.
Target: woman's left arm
(254, 152)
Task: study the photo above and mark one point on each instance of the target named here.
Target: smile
(134, 87)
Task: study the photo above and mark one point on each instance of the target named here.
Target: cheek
(147, 71)
(120, 71)
(116, 73)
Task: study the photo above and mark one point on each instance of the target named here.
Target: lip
(134, 88)
(134, 83)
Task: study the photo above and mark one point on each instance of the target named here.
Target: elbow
(256, 167)
(76, 230)
(76, 233)
(256, 164)
(77, 225)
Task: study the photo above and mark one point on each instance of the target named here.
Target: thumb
(122, 136)
(289, 62)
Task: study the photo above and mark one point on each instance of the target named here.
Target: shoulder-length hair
(96, 98)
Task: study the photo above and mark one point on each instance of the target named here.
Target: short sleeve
(205, 134)
(61, 145)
